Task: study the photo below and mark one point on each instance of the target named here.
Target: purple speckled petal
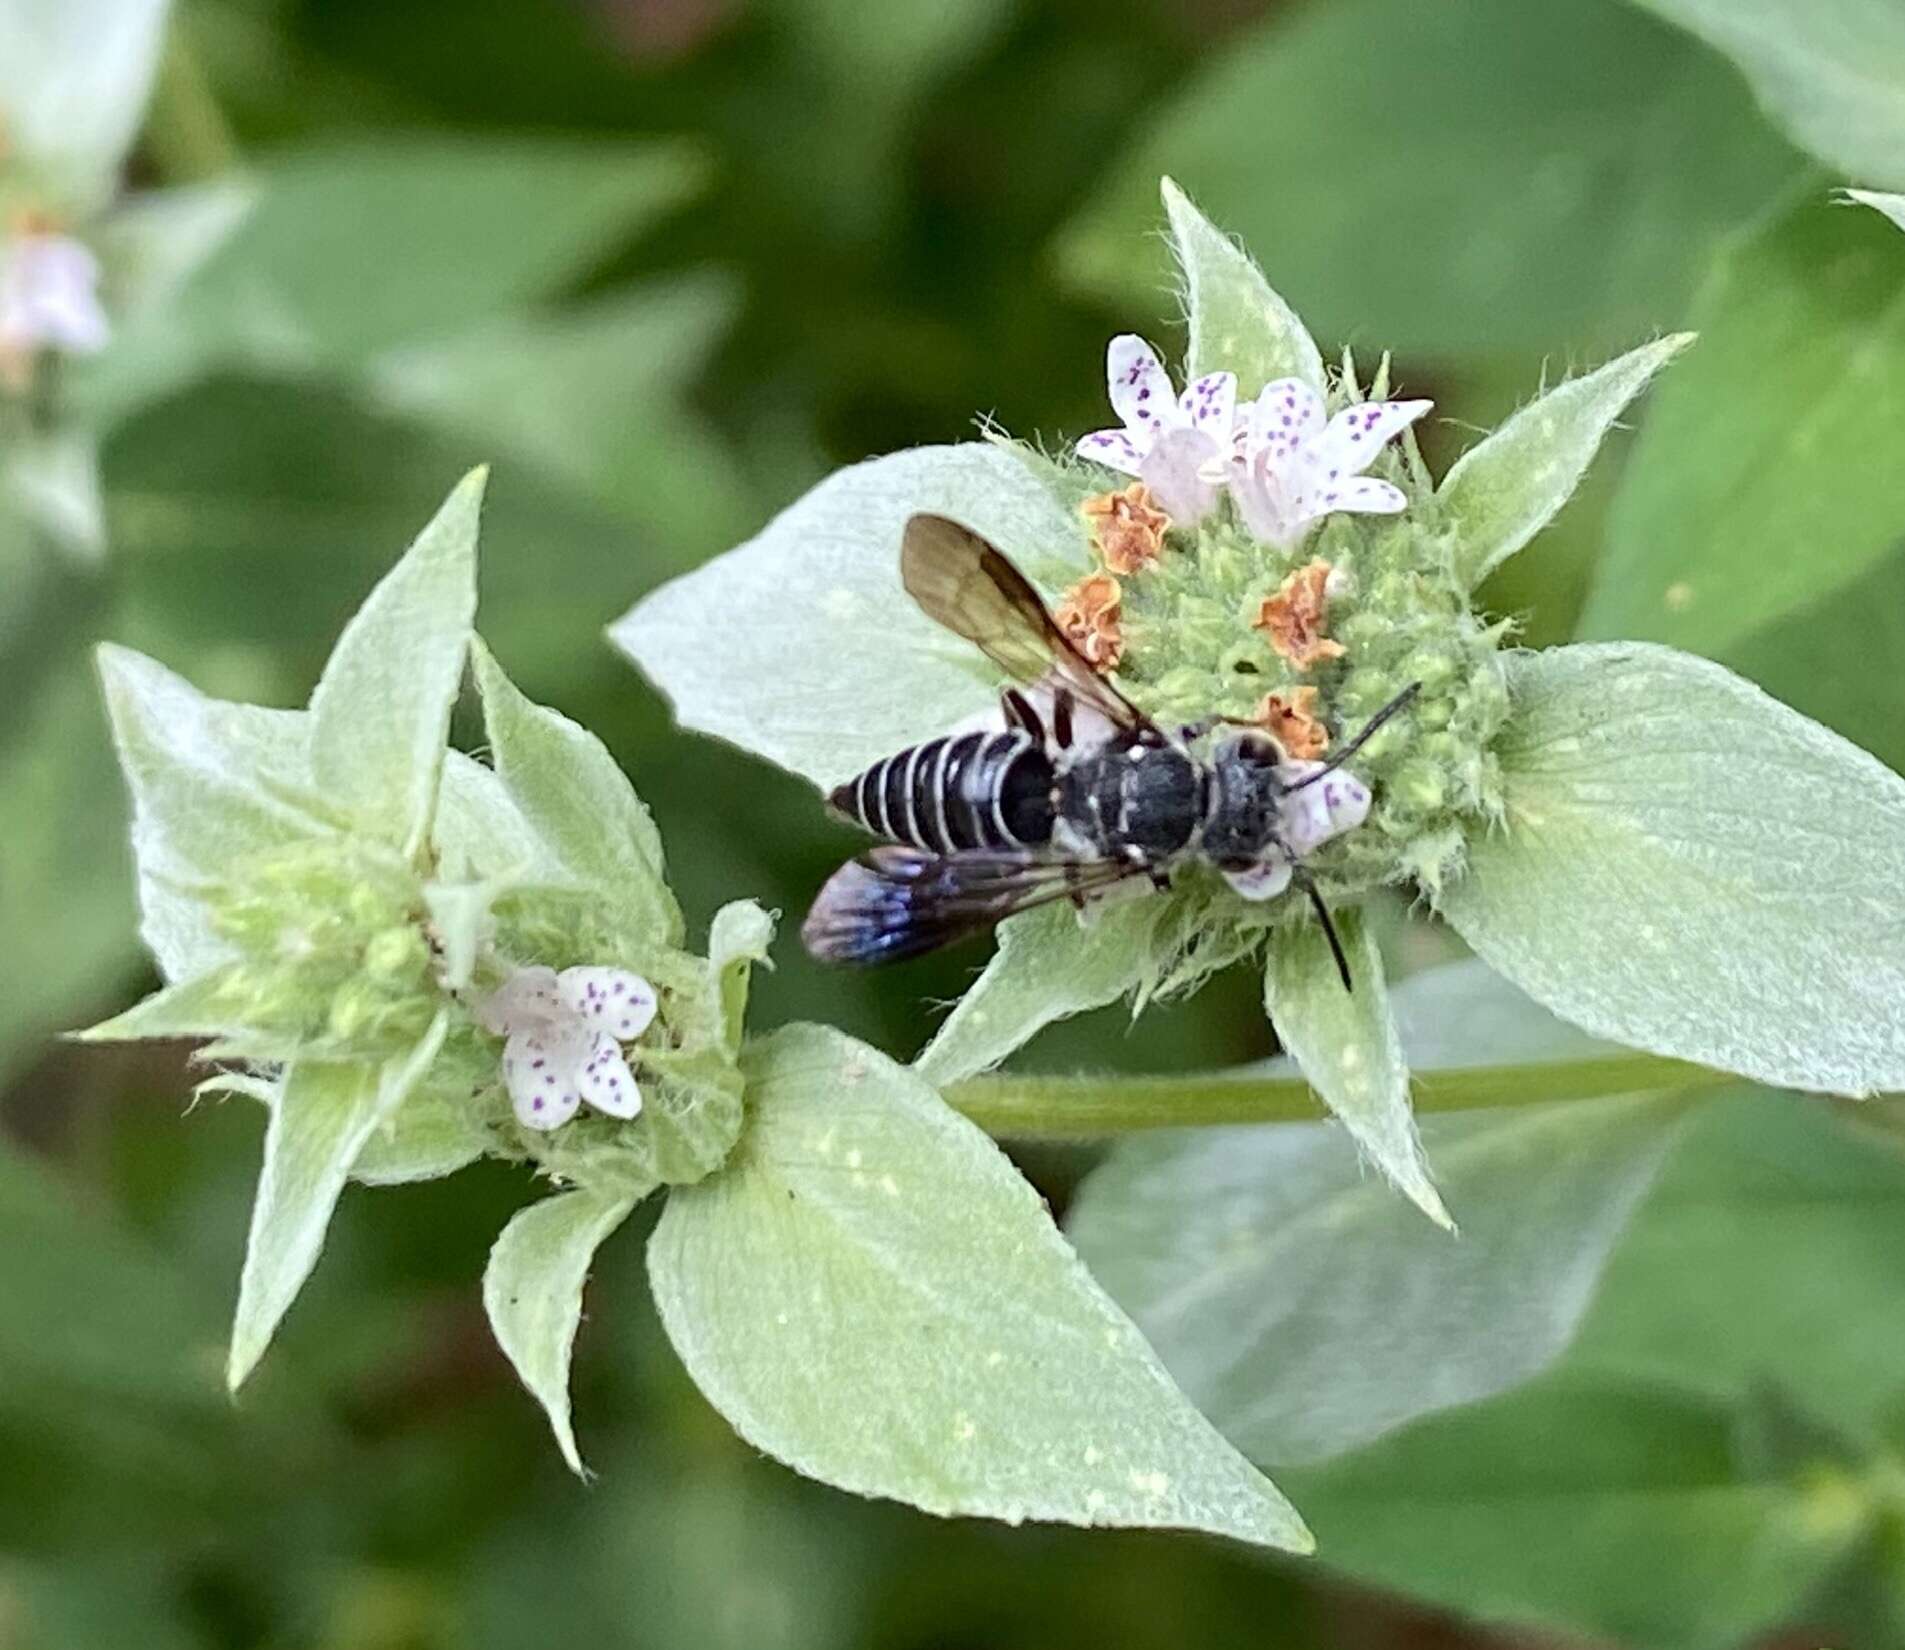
(1210, 404)
(1370, 497)
(1356, 434)
(1140, 388)
(1264, 880)
(605, 1081)
(540, 1074)
(1113, 448)
(1284, 416)
(609, 999)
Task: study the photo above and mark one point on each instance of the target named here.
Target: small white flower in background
(49, 295)
(565, 1036)
(1292, 469)
(1168, 442)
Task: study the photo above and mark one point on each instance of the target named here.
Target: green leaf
(355, 249)
(1505, 489)
(1048, 965)
(1764, 479)
(1674, 1542)
(1297, 1302)
(1238, 323)
(1378, 156)
(567, 786)
(65, 884)
(1345, 1043)
(1831, 72)
(532, 1290)
(1893, 206)
(211, 783)
(1682, 1535)
(792, 645)
(204, 1006)
(869, 1292)
(73, 84)
(596, 395)
(1688, 867)
(380, 714)
(323, 1116)
(737, 940)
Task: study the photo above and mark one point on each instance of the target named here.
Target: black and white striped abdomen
(961, 791)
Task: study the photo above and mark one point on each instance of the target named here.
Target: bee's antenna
(1329, 928)
(1399, 703)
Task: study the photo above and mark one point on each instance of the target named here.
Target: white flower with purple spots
(1174, 444)
(49, 296)
(1292, 469)
(565, 1034)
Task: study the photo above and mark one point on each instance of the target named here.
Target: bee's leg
(1021, 713)
(1062, 718)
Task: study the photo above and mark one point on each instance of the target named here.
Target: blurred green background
(666, 263)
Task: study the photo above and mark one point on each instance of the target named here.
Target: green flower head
(1268, 547)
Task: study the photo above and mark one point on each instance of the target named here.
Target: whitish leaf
(1689, 867)
(1504, 490)
(204, 1006)
(869, 1292)
(532, 1290)
(1831, 72)
(737, 940)
(212, 783)
(380, 714)
(1049, 965)
(1296, 1300)
(1893, 206)
(1345, 1044)
(1238, 323)
(1523, 205)
(567, 786)
(323, 1116)
(1765, 479)
(74, 78)
(802, 646)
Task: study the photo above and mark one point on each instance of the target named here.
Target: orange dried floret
(1127, 526)
(1088, 613)
(1290, 719)
(1297, 616)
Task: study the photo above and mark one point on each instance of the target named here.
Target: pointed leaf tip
(1509, 486)
(1346, 1045)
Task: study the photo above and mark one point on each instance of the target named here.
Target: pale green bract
(1238, 323)
(861, 1216)
(532, 1290)
(1345, 1043)
(1689, 867)
(320, 1120)
(1832, 72)
(1297, 1302)
(380, 714)
(1506, 488)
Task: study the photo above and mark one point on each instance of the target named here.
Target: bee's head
(1246, 799)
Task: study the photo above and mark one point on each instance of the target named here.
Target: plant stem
(1081, 1108)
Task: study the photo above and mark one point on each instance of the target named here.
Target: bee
(1072, 793)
